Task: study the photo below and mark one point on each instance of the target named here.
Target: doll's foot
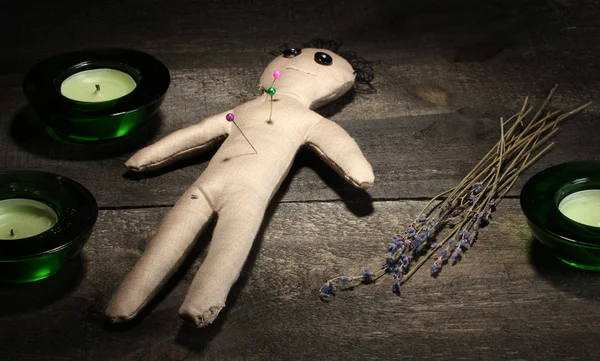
(200, 319)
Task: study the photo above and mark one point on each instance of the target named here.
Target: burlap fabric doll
(257, 151)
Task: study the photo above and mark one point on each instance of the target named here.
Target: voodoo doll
(260, 139)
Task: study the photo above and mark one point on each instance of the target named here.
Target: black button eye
(323, 58)
(290, 53)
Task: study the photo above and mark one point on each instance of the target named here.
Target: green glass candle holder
(37, 257)
(573, 242)
(76, 110)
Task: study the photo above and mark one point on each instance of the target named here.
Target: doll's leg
(162, 257)
(232, 240)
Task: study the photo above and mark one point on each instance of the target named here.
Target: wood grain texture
(447, 71)
(507, 299)
(418, 147)
(412, 157)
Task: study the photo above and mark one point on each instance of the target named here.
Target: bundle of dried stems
(461, 211)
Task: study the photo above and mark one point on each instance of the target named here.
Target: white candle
(97, 85)
(582, 207)
(23, 218)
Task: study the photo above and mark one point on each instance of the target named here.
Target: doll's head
(313, 76)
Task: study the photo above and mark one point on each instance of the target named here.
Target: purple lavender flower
(433, 245)
(473, 198)
(396, 286)
(399, 244)
(327, 290)
(484, 218)
(405, 260)
(451, 241)
(398, 272)
(345, 279)
(416, 242)
(367, 275)
(422, 219)
(444, 254)
(436, 267)
(391, 249)
(410, 230)
(456, 254)
(389, 263)
(400, 249)
(477, 187)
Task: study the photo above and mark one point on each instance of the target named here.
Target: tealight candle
(23, 218)
(97, 85)
(562, 207)
(582, 207)
(96, 94)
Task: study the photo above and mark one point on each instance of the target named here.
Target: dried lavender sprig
(515, 146)
(507, 185)
(468, 179)
(466, 221)
(460, 226)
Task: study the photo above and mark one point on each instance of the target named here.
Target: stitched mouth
(301, 70)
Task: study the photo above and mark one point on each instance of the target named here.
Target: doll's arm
(181, 144)
(341, 152)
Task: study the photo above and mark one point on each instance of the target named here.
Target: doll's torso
(236, 170)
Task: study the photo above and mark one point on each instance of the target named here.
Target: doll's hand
(341, 152)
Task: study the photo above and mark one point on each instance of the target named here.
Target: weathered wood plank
(447, 72)
(188, 32)
(412, 155)
(507, 299)
(396, 127)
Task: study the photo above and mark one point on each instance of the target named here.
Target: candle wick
(97, 87)
(12, 233)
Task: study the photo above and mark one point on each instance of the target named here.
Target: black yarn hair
(363, 68)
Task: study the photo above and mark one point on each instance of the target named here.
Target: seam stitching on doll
(301, 70)
(183, 152)
(329, 98)
(207, 198)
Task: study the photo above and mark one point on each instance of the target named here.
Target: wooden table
(448, 71)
